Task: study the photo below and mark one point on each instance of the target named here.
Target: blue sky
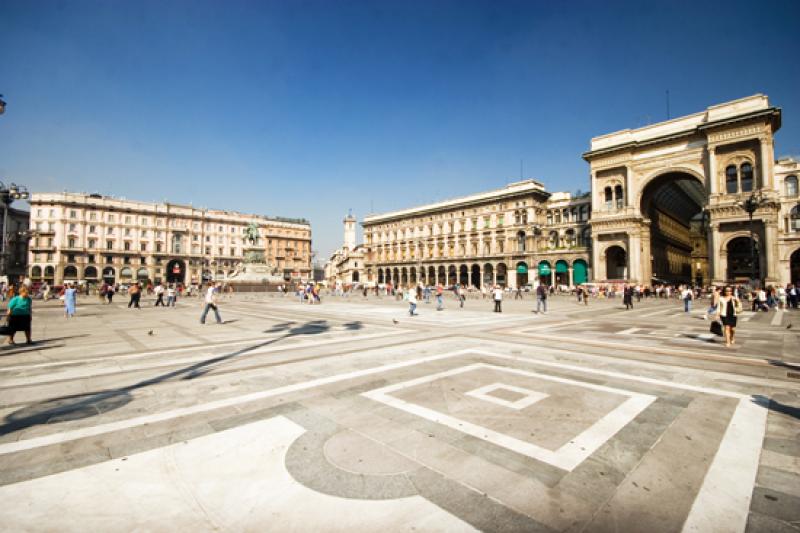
(310, 108)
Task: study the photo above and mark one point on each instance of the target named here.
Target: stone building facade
(511, 236)
(92, 238)
(667, 199)
(346, 264)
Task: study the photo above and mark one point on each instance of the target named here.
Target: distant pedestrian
(19, 315)
(70, 300)
(439, 297)
(159, 291)
(497, 296)
(627, 297)
(211, 303)
(462, 295)
(541, 298)
(687, 295)
(412, 301)
(110, 290)
(713, 304)
(135, 293)
(171, 295)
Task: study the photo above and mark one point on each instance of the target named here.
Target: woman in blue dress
(70, 300)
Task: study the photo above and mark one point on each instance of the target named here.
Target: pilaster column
(770, 251)
(714, 254)
(713, 181)
(553, 276)
(634, 258)
(598, 266)
(570, 276)
(767, 159)
(628, 185)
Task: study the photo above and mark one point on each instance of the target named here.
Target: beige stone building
(94, 238)
(511, 236)
(346, 264)
(668, 199)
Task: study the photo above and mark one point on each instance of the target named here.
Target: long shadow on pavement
(79, 406)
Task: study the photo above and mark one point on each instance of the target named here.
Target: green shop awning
(544, 269)
(522, 269)
(561, 267)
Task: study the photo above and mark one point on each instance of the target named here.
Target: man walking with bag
(541, 298)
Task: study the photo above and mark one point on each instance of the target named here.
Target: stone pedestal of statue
(254, 273)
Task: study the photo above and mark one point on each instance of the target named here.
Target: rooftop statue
(251, 233)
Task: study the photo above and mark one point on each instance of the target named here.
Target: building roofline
(519, 187)
(65, 194)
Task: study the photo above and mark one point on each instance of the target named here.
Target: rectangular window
(73, 213)
(90, 258)
(92, 216)
(73, 227)
(158, 247)
(143, 246)
(71, 243)
(127, 246)
(111, 218)
(92, 229)
(128, 219)
(109, 245)
(70, 258)
(92, 243)
(109, 231)
(144, 221)
(127, 232)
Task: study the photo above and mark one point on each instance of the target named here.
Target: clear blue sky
(310, 108)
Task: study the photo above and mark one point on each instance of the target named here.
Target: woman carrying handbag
(727, 311)
(19, 315)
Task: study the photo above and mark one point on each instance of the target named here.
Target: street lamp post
(751, 205)
(7, 196)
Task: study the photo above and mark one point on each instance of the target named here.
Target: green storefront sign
(522, 269)
(544, 269)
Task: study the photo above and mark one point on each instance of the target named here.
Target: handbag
(716, 328)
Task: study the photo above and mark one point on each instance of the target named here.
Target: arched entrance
(142, 275)
(488, 274)
(109, 275)
(49, 274)
(90, 273)
(70, 273)
(431, 275)
(36, 272)
(580, 272)
(794, 267)
(176, 271)
(545, 273)
(562, 272)
(380, 275)
(355, 277)
(522, 273)
(616, 263)
(673, 202)
(463, 275)
(475, 278)
(740, 260)
(502, 275)
(451, 275)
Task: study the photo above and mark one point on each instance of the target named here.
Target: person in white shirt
(171, 295)
(159, 290)
(211, 303)
(411, 296)
(497, 295)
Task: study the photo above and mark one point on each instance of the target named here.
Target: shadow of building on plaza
(776, 406)
(79, 406)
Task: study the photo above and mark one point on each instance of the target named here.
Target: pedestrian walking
(135, 293)
(411, 296)
(19, 315)
(627, 297)
(728, 310)
(211, 303)
(497, 296)
(171, 295)
(159, 291)
(110, 290)
(439, 297)
(70, 300)
(712, 305)
(687, 295)
(541, 298)
(427, 293)
(462, 295)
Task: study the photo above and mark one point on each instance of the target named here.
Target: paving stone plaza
(353, 416)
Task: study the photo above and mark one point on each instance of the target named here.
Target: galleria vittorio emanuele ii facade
(698, 199)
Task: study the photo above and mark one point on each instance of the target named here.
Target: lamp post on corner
(750, 206)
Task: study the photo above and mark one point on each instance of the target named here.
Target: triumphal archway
(667, 198)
